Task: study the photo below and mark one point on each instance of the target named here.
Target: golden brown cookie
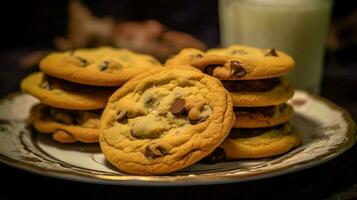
(260, 143)
(166, 121)
(104, 66)
(64, 94)
(237, 62)
(264, 92)
(260, 117)
(66, 126)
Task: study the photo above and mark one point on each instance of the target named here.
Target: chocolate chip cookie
(264, 92)
(260, 142)
(63, 94)
(259, 117)
(104, 66)
(66, 126)
(237, 62)
(166, 121)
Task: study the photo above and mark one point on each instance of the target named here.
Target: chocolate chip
(216, 156)
(62, 116)
(236, 69)
(178, 107)
(209, 69)
(271, 52)
(245, 132)
(239, 52)
(153, 151)
(83, 62)
(261, 85)
(104, 65)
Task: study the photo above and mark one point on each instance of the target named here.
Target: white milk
(297, 27)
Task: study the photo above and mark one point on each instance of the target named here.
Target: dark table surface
(336, 179)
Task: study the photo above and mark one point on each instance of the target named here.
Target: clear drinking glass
(297, 27)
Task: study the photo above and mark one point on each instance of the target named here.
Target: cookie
(264, 92)
(260, 143)
(66, 126)
(104, 66)
(260, 117)
(64, 94)
(237, 62)
(164, 122)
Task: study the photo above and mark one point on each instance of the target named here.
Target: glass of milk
(297, 27)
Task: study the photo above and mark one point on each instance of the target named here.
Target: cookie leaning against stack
(254, 79)
(70, 89)
(166, 121)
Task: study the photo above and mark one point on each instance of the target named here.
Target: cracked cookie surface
(63, 94)
(236, 62)
(66, 126)
(103, 66)
(166, 121)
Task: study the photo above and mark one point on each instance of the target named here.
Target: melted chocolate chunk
(153, 151)
(236, 69)
(178, 107)
(217, 155)
(261, 85)
(271, 52)
(266, 110)
(67, 117)
(251, 132)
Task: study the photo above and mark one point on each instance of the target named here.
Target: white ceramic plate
(327, 130)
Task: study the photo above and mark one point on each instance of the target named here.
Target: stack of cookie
(73, 88)
(254, 79)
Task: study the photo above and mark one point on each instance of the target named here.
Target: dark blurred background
(35, 23)
(31, 26)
